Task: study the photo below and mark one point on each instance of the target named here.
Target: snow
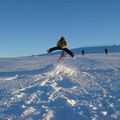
(49, 115)
(28, 111)
(41, 88)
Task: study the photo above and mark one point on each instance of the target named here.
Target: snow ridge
(60, 70)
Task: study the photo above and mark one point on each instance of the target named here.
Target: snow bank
(54, 70)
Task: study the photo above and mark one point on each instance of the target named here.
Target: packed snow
(41, 88)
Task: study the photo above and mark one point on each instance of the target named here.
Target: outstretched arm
(69, 52)
(53, 49)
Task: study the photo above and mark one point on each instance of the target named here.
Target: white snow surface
(80, 88)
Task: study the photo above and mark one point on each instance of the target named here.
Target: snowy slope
(98, 49)
(39, 88)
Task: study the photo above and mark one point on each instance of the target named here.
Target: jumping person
(62, 45)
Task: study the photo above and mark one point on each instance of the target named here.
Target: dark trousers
(64, 49)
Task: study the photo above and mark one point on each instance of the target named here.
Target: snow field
(82, 88)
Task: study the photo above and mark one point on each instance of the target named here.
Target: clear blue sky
(32, 26)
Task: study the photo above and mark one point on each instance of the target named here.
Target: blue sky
(32, 26)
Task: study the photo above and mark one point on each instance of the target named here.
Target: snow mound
(54, 70)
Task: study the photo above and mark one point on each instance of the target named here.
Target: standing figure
(106, 51)
(83, 52)
(61, 45)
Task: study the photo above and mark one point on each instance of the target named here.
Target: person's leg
(69, 52)
(53, 49)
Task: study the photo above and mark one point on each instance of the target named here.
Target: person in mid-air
(61, 45)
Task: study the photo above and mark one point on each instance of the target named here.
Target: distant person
(83, 52)
(106, 51)
(61, 45)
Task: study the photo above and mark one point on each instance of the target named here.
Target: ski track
(64, 91)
